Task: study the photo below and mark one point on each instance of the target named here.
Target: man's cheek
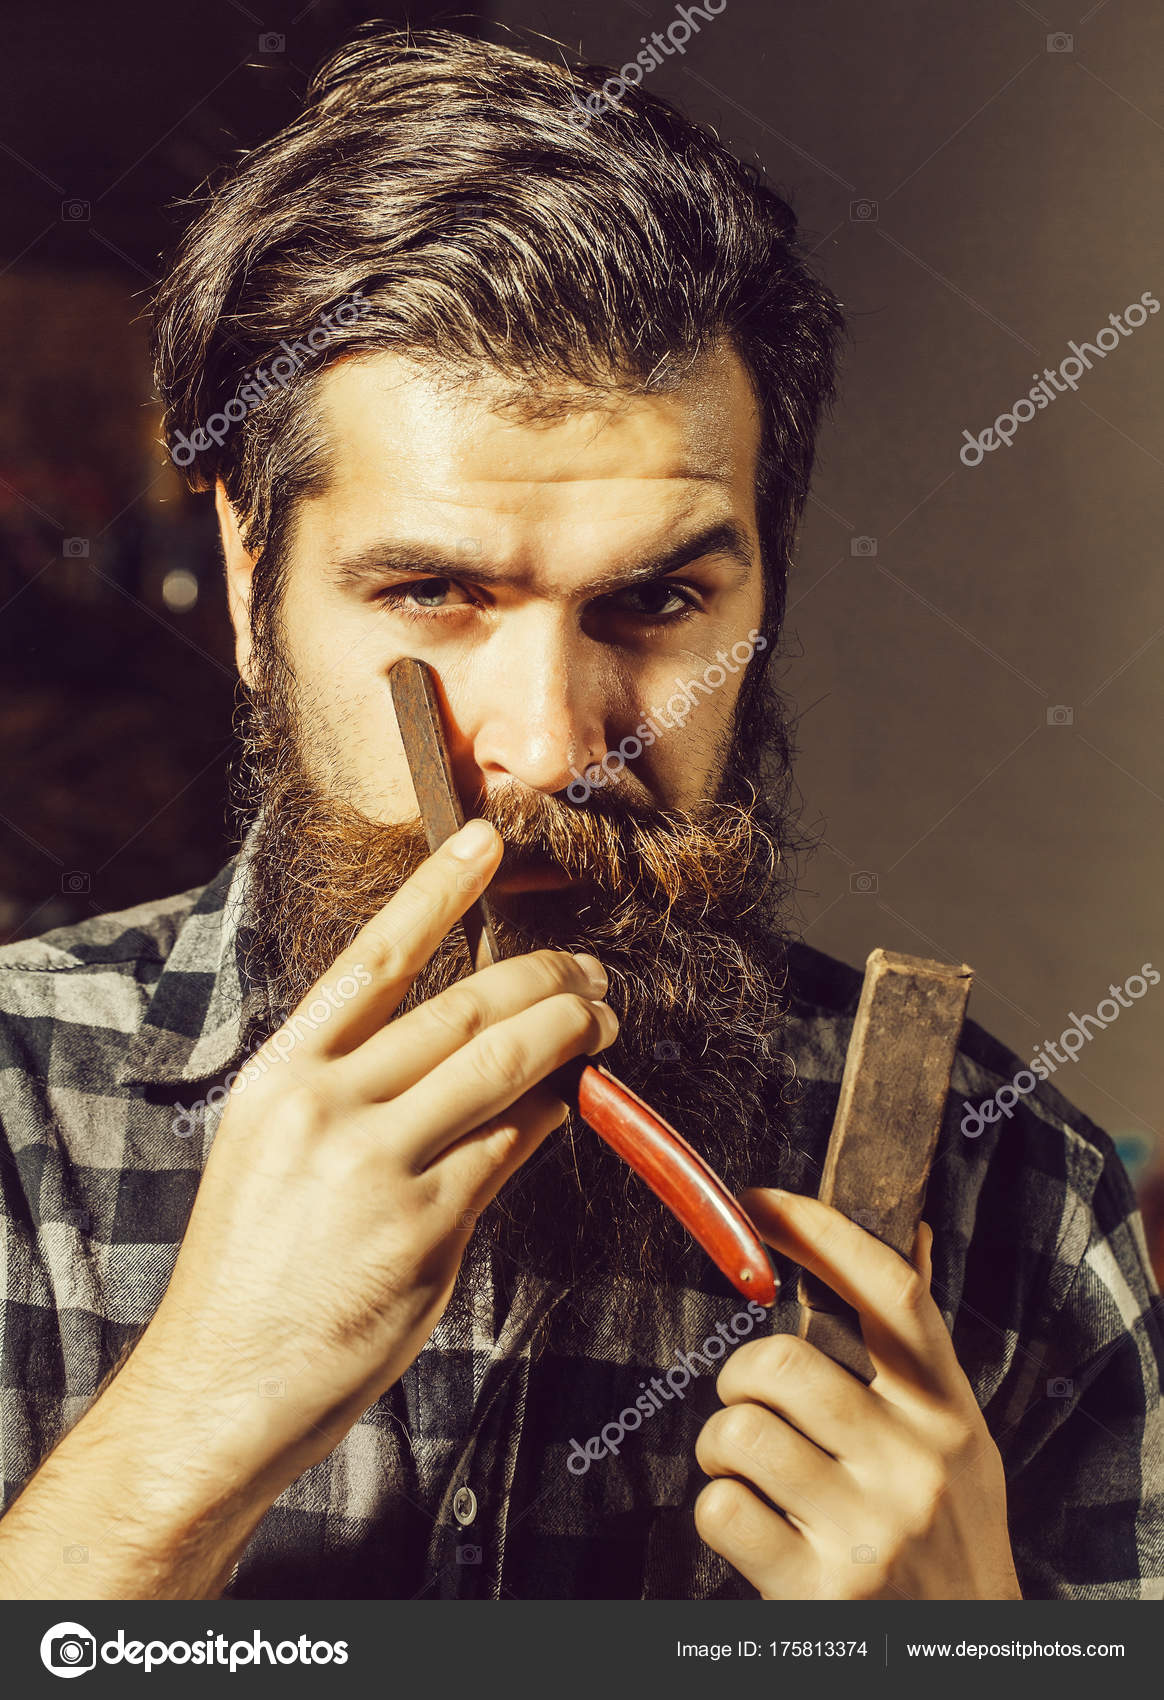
(690, 757)
(666, 768)
(347, 738)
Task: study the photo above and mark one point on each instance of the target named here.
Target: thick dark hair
(486, 224)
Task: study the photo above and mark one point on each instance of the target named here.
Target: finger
(478, 1166)
(763, 1546)
(403, 1052)
(751, 1442)
(902, 1326)
(486, 1076)
(800, 1383)
(923, 1253)
(368, 980)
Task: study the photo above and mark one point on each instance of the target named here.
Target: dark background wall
(116, 679)
(974, 650)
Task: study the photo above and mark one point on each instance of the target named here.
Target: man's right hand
(346, 1175)
(326, 1234)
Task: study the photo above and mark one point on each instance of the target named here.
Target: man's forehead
(391, 421)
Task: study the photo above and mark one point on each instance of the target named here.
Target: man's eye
(658, 601)
(424, 593)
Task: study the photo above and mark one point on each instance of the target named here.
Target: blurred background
(974, 650)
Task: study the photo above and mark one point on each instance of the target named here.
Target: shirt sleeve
(1086, 1458)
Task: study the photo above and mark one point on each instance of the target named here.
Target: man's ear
(240, 567)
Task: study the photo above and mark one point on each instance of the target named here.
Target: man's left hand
(891, 1491)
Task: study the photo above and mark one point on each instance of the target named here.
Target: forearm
(158, 1490)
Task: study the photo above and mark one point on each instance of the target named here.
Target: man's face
(563, 578)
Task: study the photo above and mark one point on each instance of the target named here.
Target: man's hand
(342, 1186)
(348, 1170)
(891, 1491)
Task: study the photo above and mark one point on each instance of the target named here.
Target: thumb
(922, 1254)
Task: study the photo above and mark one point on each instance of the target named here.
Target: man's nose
(543, 700)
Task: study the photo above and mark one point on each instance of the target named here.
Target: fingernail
(473, 840)
(593, 970)
(608, 1023)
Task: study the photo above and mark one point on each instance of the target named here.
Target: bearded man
(315, 1287)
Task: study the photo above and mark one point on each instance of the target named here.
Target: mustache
(627, 849)
(687, 865)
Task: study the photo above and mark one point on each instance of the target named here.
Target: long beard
(681, 908)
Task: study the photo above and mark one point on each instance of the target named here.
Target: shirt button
(464, 1506)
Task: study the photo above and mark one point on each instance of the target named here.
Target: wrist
(204, 1445)
(138, 1488)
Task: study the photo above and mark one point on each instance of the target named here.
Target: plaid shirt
(470, 1479)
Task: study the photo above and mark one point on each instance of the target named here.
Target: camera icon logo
(466, 210)
(667, 1051)
(272, 43)
(68, 1649)
(863, 883)
(272, 1388)
(862, 546)
(1059, 1387)
(1060, 43)
(76, 1555)
(864, 1555)
(75, 548)
(867, 1219)
(863, 212)
(75, 212)
(1060, 715)
(76, 883)
(469, 1555)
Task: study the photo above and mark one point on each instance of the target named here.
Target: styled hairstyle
(479, 213)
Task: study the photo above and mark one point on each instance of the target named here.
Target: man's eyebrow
(428, 560)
